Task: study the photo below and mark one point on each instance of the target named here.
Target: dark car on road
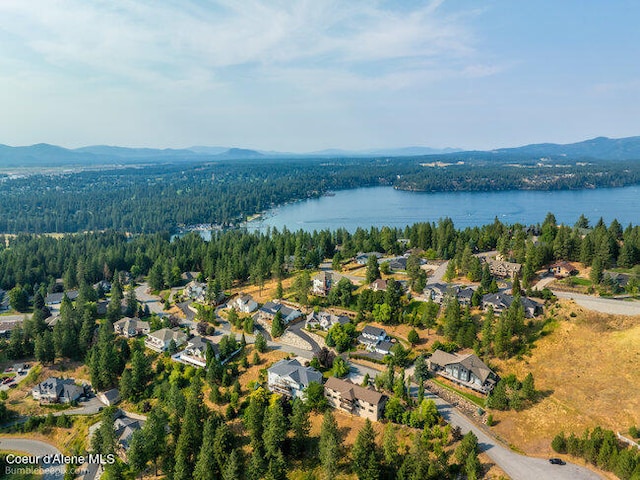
(556, 461)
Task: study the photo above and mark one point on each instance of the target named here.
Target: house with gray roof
(131, 327)
(110, 397)
(290, 378)
(244, 303)
(195, 352)
(354, 399)
(56, 298)
(269, 310)
(465, 370)
(57, 390)
(161, 339)
(502, 301)
(363, 258)
(325, 320)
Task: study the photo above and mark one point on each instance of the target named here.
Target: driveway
(603, 305)
(91, 406)
(518, 467)
(153, 301)
(35, 447)
(438, 274)
(296, 329)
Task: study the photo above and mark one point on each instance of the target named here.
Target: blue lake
(379, 206)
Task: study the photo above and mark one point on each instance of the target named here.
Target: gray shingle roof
(298, 373)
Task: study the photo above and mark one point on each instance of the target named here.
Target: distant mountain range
(44, 154)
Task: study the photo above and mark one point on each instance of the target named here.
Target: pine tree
(279, 290)
(156, 435)
(222, 444)
(528, 387)
(277, 326)
(260, 343)
(300, 425)
(390, 447)
(362, 448)
(233, 468)
(137, 453)
(275, 429)
(329, 445)
(373, 269)
(204, 469)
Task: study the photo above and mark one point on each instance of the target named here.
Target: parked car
(556, 461)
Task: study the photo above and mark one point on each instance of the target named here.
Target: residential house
(125, 427)
(363, 258)
(398, 263)
(465, 370)
(501, 301)
(56, 298)
(244, 303)
(372, 336)
(102, 284)
(269, 310)
(620, 279)
(196, 351)
(378, 285)
(384, 347)
(323, 282)
(503, 269)
(131, 327)
(464, 295)
(57, 390)
(290, 378)
(354, 399)
(161, 339)
(196, 291)
(562, 269)
(110, 397)
(325, 320)
(437, 291)
(7, 327)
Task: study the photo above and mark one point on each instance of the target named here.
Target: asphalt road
(37, 448)
(438, 273)
(603, 305)
(518, 467)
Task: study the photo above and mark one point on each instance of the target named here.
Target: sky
(307, 75)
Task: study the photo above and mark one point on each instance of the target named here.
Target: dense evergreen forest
(237, 255)
(150, 199)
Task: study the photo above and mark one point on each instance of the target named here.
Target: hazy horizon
(308, 76)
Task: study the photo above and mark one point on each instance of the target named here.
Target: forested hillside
(162, 198)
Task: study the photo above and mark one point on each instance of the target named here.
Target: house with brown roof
(323, 282)
(504, 269)
(354, 399)
(378, 285)
(562, 269)
(465, 370)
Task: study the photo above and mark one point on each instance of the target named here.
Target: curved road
(35, 447)
(518, 467)
(600, 304)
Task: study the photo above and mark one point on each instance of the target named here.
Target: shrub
(559, 443)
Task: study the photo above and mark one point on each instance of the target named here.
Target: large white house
(244, 303)
(57, 390)
(131, 327)
(161, 339)
(325, 320)
(289, 378)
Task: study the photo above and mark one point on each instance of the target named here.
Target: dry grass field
(588, 368)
